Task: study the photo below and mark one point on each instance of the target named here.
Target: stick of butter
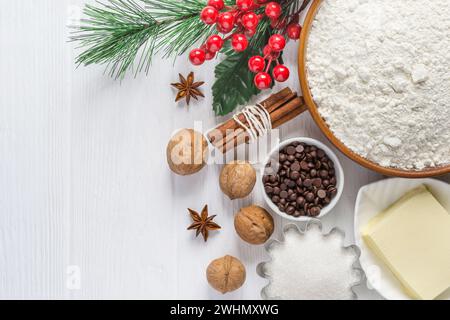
(412, 237)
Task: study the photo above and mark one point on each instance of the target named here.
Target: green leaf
(234, 82)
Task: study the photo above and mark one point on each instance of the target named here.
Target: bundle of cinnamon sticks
(282, 107)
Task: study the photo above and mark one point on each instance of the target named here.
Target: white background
(84, 185)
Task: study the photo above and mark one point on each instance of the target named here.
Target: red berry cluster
(243, 21)
(258, 65)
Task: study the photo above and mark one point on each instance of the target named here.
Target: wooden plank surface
(88, 206)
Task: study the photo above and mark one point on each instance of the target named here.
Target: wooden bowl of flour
(309, 101)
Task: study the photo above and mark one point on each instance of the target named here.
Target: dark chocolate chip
(317, 182)
(283, 194)
(296, 166)
(300, 148)
(304, 165)
(310, 197)
(324, 174)
(290, 150)
(295, 175)
(320, 153)
(314, 211)
(292, 184)
(300, 201)
(307, 183)
(290, 210)
(269, 189)
(322, 194)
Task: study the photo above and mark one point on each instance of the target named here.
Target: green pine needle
(126, 34)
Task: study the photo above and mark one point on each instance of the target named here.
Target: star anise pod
(202, 223)
(187, 88)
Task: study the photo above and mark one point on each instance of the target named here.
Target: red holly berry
(262, 80)
(244, 5)
(210, 55)
(268, 52)
(209, 15)
(277, 42)
(222, 30)
(280, 73)
(256, 64)
(273, 10)
(250, 32)
(226, 21)
(239, 42)
(293, 31)
(218, 4)
(250, 20)
(214, 43)
(197, 56)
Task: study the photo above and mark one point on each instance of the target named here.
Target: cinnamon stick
(276, 111)
(281, 102)
(241, 136)
(271, 103)
(286, 109)
(289, 117)
(280, 116)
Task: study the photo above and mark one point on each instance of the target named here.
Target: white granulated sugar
(311, 267)
(379, 71)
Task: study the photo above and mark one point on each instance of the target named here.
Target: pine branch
(122, 32)
(114, 33)
(181, 26)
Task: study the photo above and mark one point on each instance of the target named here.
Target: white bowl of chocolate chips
(302, 179)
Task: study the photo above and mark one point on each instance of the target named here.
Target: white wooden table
(88, 206)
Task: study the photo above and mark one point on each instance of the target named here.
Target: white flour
(379, 71)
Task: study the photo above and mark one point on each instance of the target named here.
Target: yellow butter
(412, 237)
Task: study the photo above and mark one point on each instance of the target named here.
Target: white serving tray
(371, 200)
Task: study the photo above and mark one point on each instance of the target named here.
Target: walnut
(237, 179)
(254, 224)
(226, 274)
(187, 152)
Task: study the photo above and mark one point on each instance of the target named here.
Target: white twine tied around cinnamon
(258, 119)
